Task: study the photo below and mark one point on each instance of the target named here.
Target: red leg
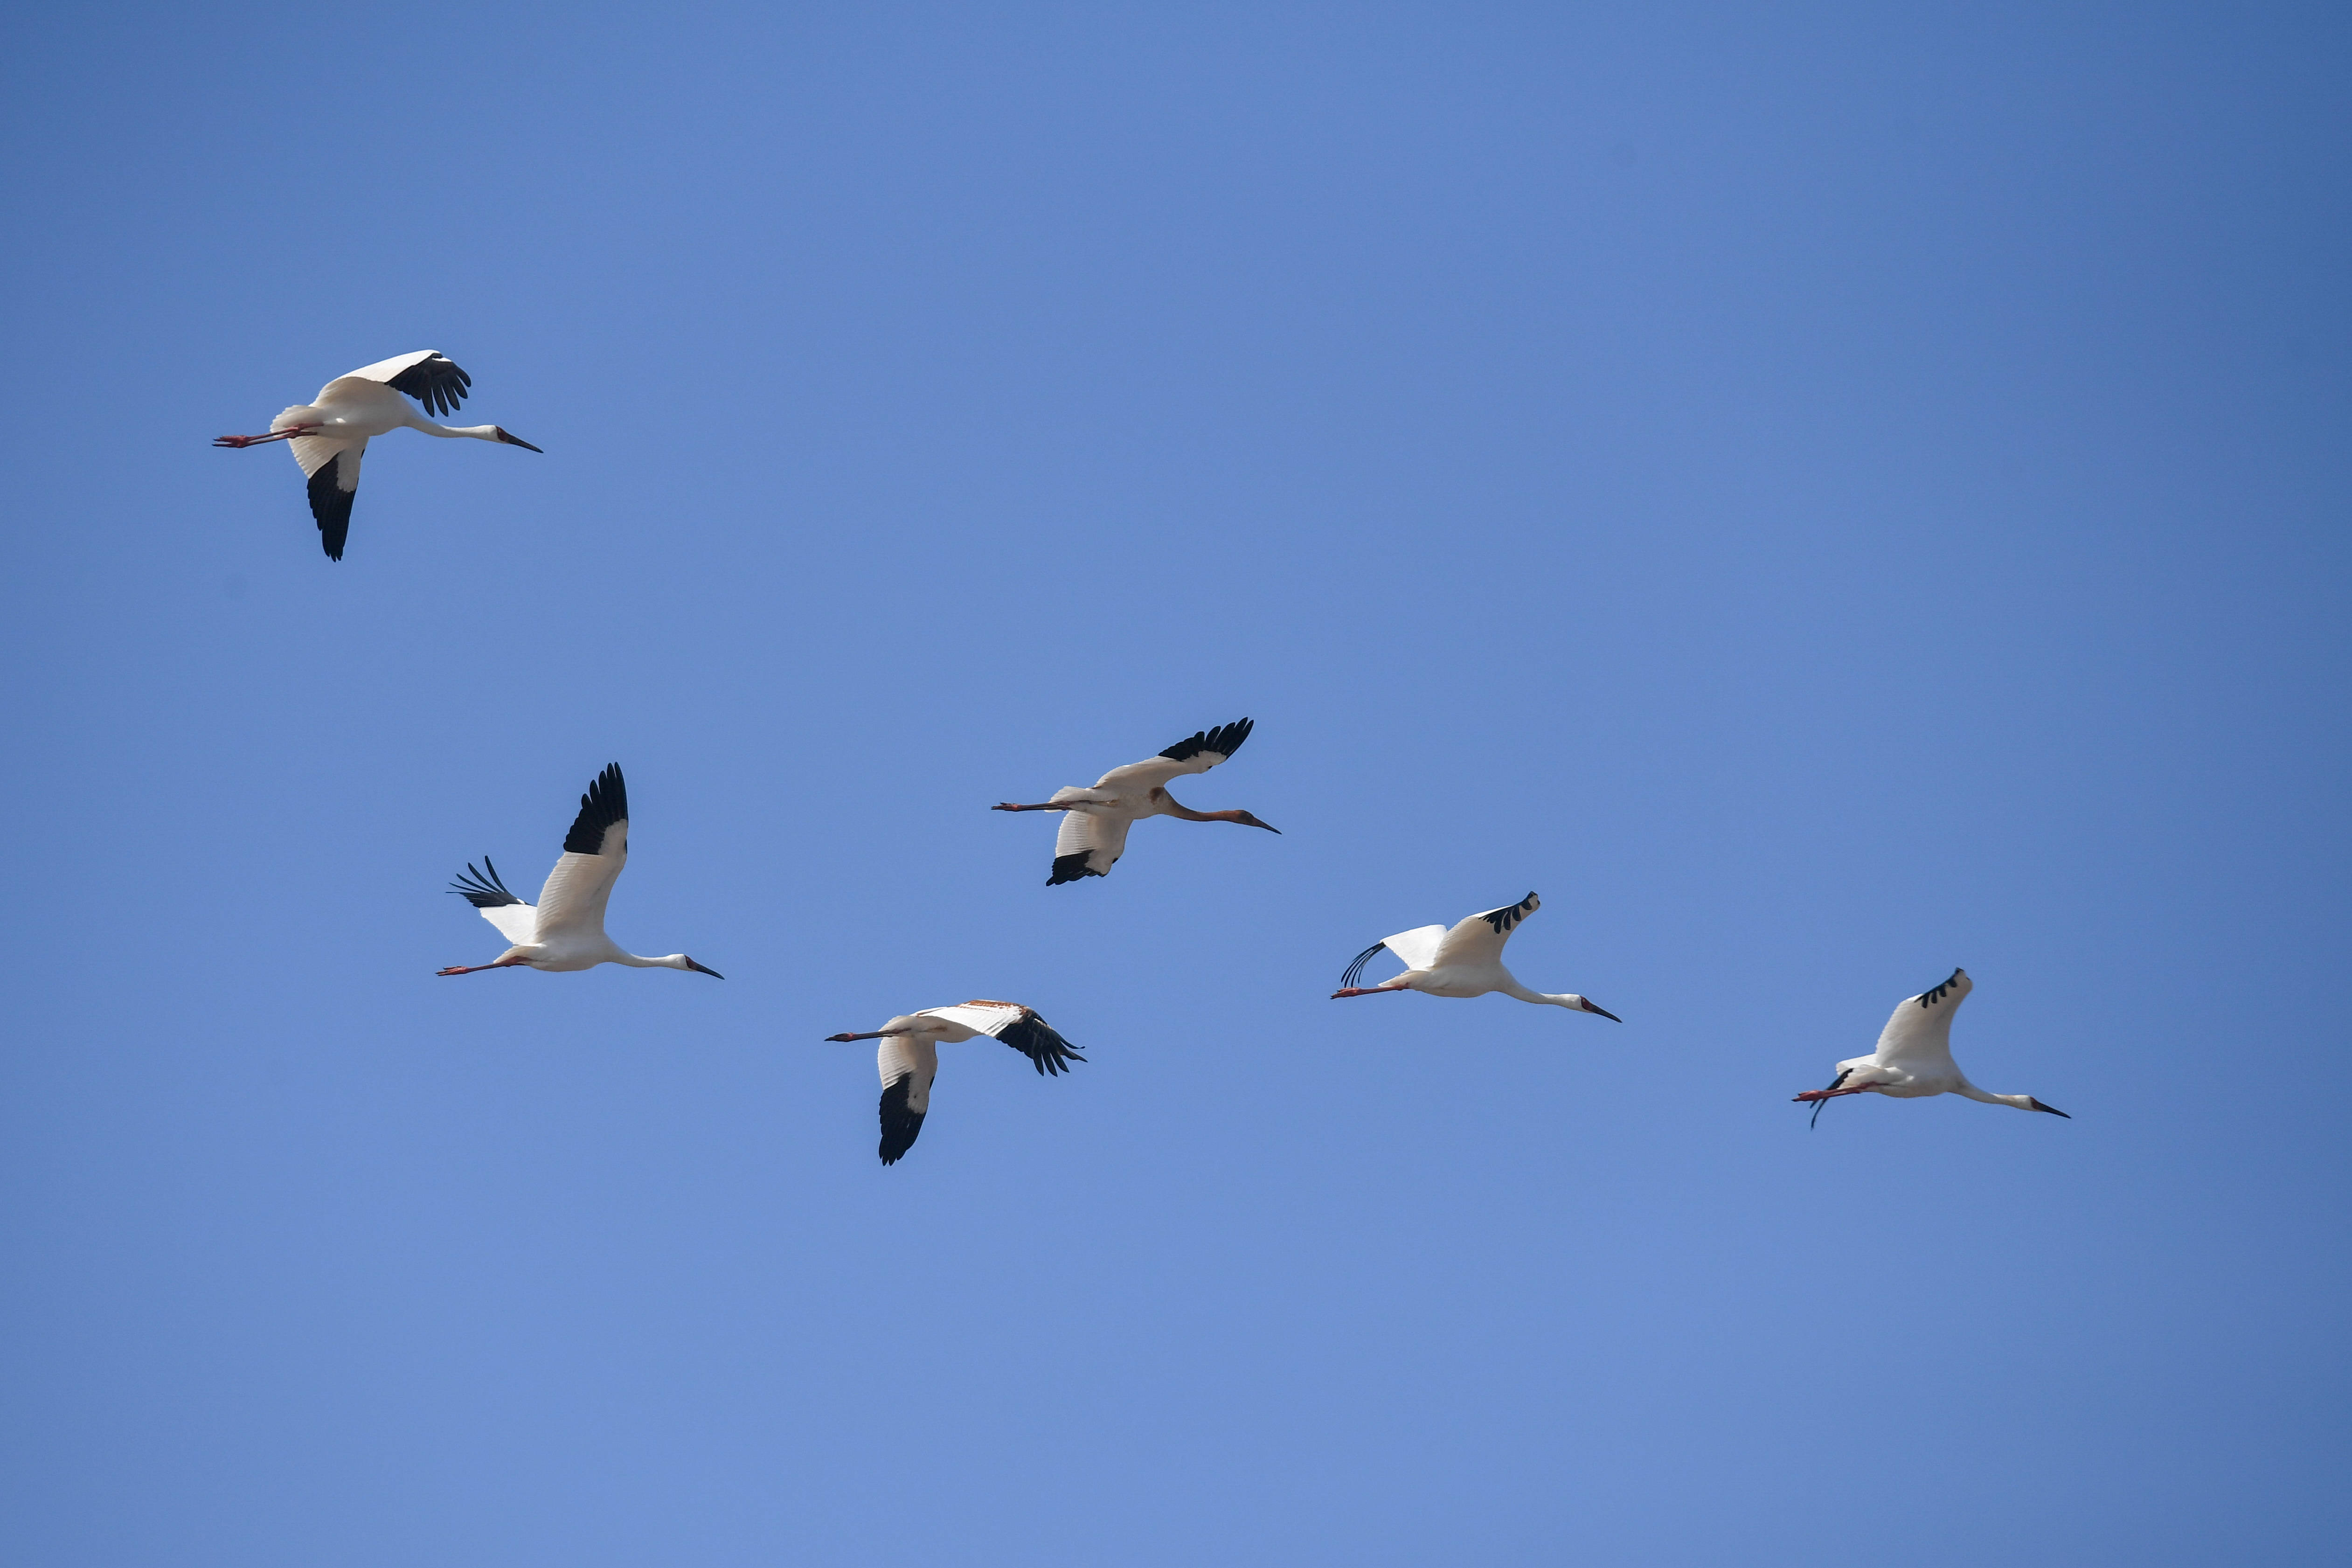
(286, 434)
(1369, 991)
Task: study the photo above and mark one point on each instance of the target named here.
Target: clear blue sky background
(1822, 494)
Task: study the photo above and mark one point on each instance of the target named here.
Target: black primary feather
(484, 892)
(1356, 970)
(1070, 867)
(1041, 1043)
(1503, 920)
(1818, 1103)
(1225, 739)
(607, 802)
(436, 383)
(1930, 997)
(331, 505)
(899, 1125)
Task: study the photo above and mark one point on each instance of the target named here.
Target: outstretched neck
(1170, 805)
(1568, 999)
(479, 432)
(668, 960)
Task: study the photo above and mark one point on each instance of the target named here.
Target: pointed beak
(1603, 1011)
(2050, 1108)
(689, 963)
(519, 441)
(872, 1036)
(1269, 827)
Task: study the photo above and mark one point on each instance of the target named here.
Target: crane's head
(679, 961)
(519, 441)
(1245, 819)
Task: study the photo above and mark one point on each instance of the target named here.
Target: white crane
(1465, 961)
(1914, 1059)
(329, 435)
(1094, 833)
(566, 929)
(908, 1057)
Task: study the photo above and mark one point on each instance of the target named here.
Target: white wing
(425, 375)
(1088, 845)
(516, 921)
(1920, 1032)
(903, 1054)
(1197, 755)
(1017, 1026)
(1417, 947)
(1479, 940)
(332, 467)
(980, 1017)
(594, 851)
(907, 1063)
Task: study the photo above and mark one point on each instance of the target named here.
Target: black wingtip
(1503, 920)
(436, 383)
(1935, 993)
(1356, 970)
(1043, 1044)
(607, 802)
(330, 507)
(901, 1126)
(483, 891)
(1225, 739)
(1071, 869)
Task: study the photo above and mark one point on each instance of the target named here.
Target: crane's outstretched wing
(333, 469)
(593, 853)
(1207, 748)
(1920, 1032)
(1017, 1026)
(1088, 845)
(1480, 938)
(516, 921)
(425, 375)
(908, 1064)
(1197, 755)
(1417, 947)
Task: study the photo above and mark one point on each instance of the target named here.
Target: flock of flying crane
(565, 929)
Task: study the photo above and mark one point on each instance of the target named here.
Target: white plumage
(1913, 1055)
(328, 435)
(1094, 829)
(1465, 961)
(908, 1057)
(565, 929)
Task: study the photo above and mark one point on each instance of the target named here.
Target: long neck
(1511, 987)
(2020, 1102)
(1169, 806)
(673, 961)
(479, 432)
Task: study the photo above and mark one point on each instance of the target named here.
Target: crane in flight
(1914, 1057)
(1094, 829)
(565, 929)
(328, 435)
(1466, 961)
(908, 1057)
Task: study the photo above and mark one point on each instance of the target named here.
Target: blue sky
(1821, 494)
